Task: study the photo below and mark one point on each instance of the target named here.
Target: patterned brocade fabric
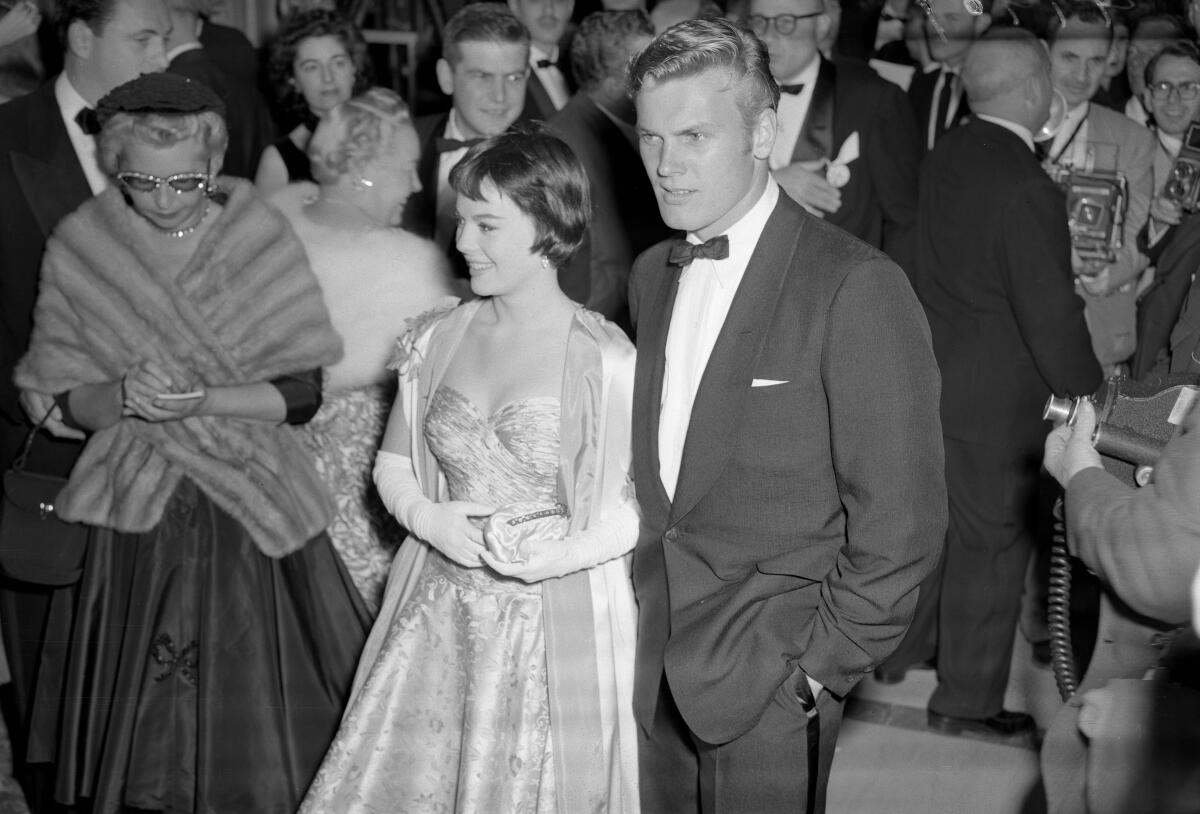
(454, 715)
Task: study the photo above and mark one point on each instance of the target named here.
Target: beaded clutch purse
(509, 528)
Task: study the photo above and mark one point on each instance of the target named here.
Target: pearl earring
(362, 184)
(545, 263)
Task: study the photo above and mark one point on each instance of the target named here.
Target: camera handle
(1058, 614)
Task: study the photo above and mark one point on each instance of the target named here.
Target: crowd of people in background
(288, 340)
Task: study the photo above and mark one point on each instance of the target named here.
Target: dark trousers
(766, 770)
(968, 608)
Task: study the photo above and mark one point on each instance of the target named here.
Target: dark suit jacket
(879, 204)
(1176, 258)
(625, 217)
(420, 213)
(40, 183)
(232, 51)
(920, 95)
(806, 513)
(994, 275)
(538, 106)
(246, 114)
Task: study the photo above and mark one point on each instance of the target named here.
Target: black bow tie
(715, 248)
(792, 89)
(88, 122)
(449, 145)
(545, 63)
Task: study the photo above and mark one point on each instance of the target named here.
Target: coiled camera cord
(1058, 616)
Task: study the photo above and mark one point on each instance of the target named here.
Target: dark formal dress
(994, 275)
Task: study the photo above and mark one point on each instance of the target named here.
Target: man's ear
(80, 39)
(445, 76)
(762, 137)
(982, 23)
(823, 24)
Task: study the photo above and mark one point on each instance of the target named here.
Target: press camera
(1096, 213)
(1183, 184)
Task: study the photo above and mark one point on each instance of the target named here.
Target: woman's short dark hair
(541, 175)
(281, 68)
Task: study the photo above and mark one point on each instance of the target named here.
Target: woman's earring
(362, 184)
(545, 263)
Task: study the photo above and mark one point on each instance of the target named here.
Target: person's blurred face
(488, 85)
(1174, 77)
(496, 239)
(804, 20)
(702, 162)
(546, 19)
(1077, 60)
(1150, 39)
(164, 206)
(951, 29)
(131, 43)
(393, 176)
(323, 72)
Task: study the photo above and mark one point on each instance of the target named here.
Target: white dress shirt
(445, 227)
(551, 77)
(69, 105)
(793, 110)
(706, 290)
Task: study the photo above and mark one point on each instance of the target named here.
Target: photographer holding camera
(1127, 740)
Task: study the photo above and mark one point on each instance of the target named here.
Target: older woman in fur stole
(375, 277)
(216, 629)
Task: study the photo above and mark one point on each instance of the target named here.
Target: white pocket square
(767, 382)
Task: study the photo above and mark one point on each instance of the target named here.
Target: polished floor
(887, 762)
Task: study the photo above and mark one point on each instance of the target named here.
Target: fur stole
(245, 308)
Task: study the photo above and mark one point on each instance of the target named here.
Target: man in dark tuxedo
(598, 124)
(994, 274)
(47, 169)
(550, 84)
(936, 92)
(246, 116)
(483, 69)
(847, 147)
(787, 452)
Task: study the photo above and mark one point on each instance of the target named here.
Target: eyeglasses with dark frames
(785, 24)
(181, 182)
(1188, 91)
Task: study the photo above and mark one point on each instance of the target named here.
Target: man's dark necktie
(683, 253)
(945, 99)
(545, 63)
(792, 89)
(449, 145)
(88, 121)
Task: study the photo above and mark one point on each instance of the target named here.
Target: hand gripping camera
(1134, 420)
(1183, 184)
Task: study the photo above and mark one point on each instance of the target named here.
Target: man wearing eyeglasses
(47, 169)
(1171, 237)
(847, 146)
(1094, 139)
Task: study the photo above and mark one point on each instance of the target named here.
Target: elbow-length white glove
(613, 536)
(445, 526)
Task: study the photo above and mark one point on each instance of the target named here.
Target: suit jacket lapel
(652, 345)
(720, 398)
(48, 172)
(816, 135)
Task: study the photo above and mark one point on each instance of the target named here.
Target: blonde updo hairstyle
(355, 133)
(161, 130)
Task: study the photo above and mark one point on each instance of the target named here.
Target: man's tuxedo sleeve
(1144, 542)
(1036, 248)
(883, 389)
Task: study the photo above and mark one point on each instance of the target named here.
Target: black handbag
(36, 545)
